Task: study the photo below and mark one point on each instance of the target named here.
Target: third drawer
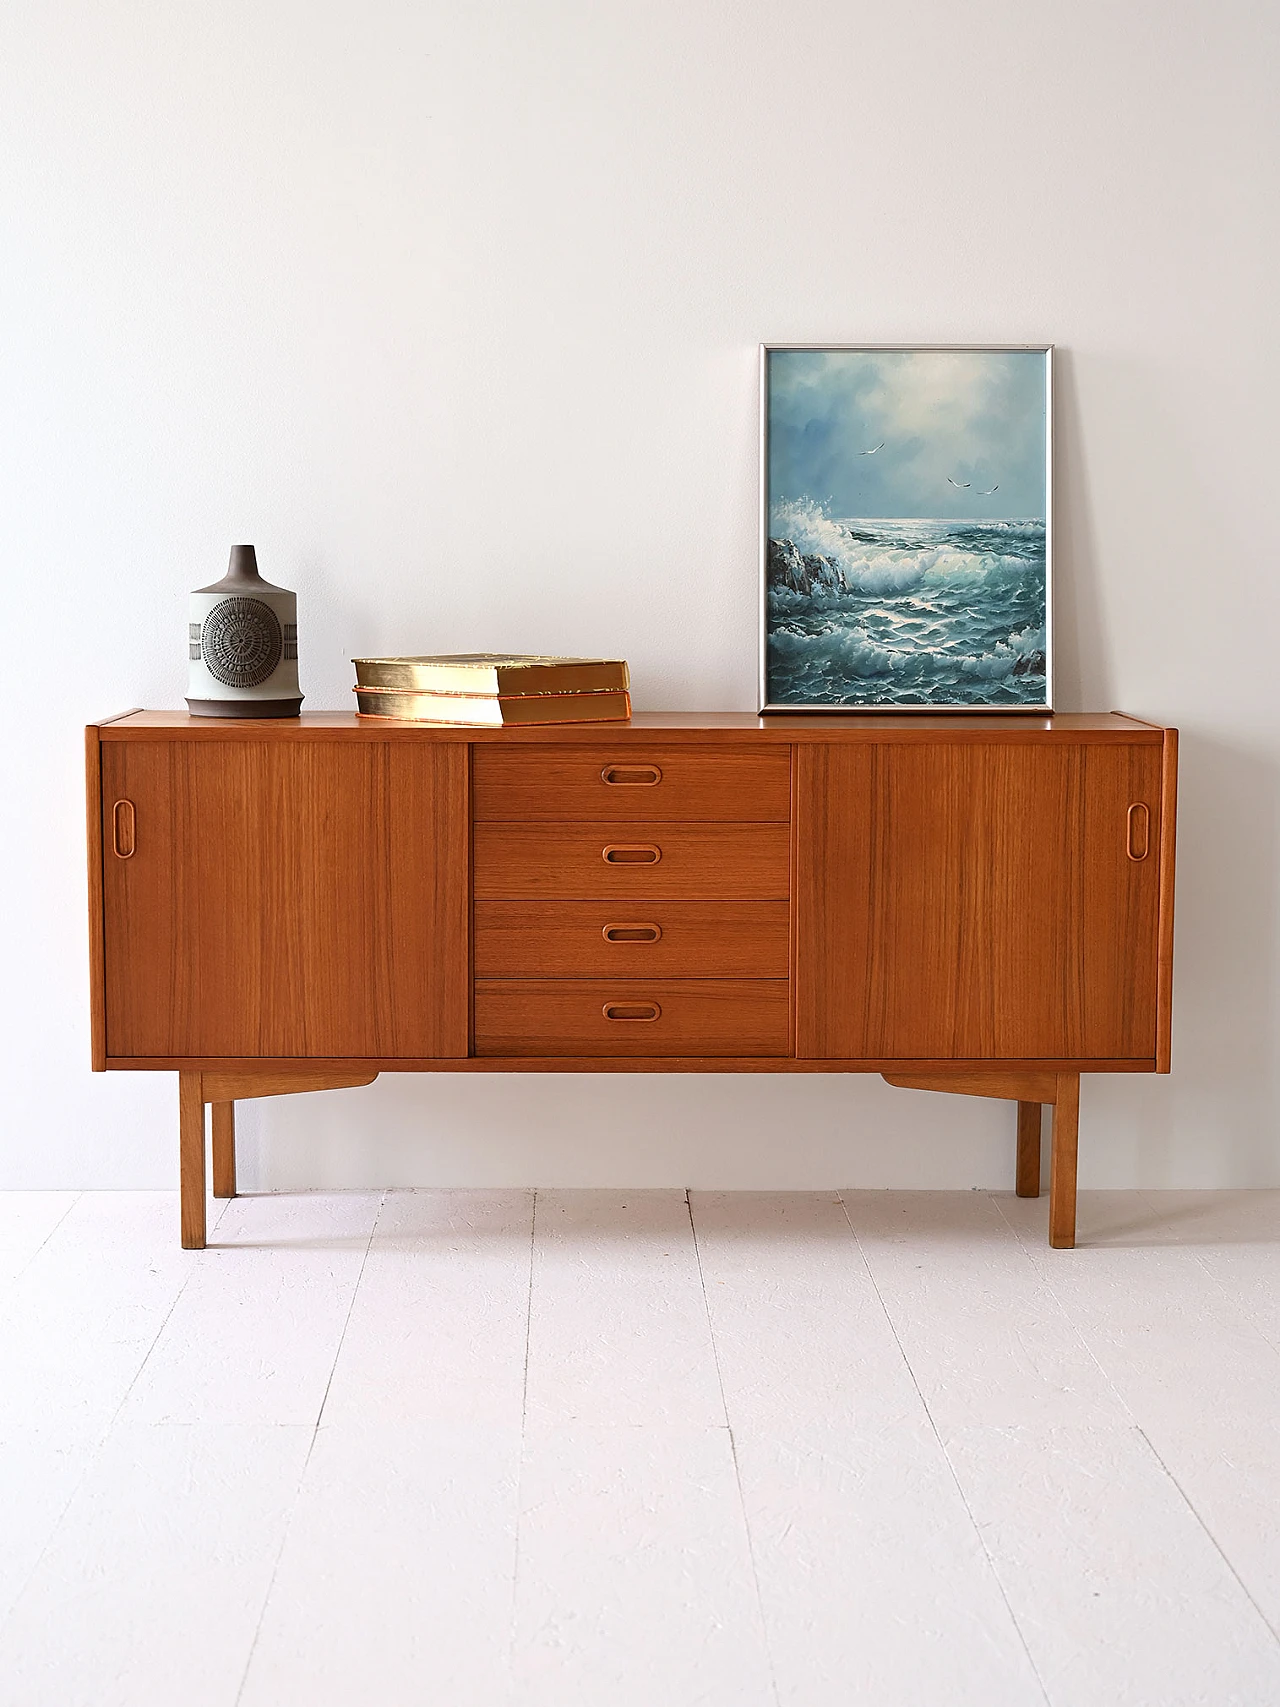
(597, 939)
(610, 861)
(628, 1016)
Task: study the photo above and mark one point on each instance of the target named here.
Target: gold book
(492, 673)
(489, 711)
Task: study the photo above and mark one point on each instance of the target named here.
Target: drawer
(628, 785)
(663, 939)
(631, 862)
(618, 1016)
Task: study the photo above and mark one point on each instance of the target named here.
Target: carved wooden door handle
(1139, 832)
(631, 776)
(631, 1011)
(631, 933)
(640, 853)
(124, 829)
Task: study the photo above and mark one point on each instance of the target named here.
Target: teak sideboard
(972, 904)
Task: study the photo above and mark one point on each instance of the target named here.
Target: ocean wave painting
(907, 546)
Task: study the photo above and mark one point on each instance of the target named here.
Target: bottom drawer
(598, 1016)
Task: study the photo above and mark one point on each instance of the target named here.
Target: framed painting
(906, 537)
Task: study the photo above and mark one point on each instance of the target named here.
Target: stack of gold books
(487, 689)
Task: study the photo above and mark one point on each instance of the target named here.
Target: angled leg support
(1030, 1091)
(223, 1090)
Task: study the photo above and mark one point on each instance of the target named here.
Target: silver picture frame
(769, 702)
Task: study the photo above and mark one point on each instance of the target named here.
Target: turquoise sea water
(888, 612)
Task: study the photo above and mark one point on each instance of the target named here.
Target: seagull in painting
(873, 449)
(958, 486)
(995, 488)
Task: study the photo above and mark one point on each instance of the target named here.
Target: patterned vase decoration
(244, 645)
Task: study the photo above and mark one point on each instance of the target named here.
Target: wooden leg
(1062, 1171)
(191, 1160)
(1031, 1090)
(1028, 1175)
(224, 1149)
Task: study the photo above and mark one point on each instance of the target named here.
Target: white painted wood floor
(618, 1447)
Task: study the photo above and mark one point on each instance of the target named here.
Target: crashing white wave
(1003, 659)
(853, 651)
(871, 566)
(849, 649)
(884, 611)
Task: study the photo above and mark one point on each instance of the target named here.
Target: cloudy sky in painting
(963, 415)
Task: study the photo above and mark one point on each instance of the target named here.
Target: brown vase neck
(242, 574)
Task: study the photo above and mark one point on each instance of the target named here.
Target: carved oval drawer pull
(1139, 832)
(634, 854)
(631, 1011)
(631, 933)
(631, 776)
(124, 829)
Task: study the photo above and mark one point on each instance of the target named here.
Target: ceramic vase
(244, 645)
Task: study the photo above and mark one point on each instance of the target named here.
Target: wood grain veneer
(222, 1144)
(291, 1068)
(740, 862)
(285, 901)
(566, 939)
(1015, 1086)
(1167, 838)
(191, 1170)
(1027, 1169)
(564, 784)
(675, 727)
(1062, 1163)
(957, 903)
(97, 949)
(223, 1084)
(976, 902)
(566, 1016)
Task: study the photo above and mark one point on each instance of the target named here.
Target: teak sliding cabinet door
(982, 900)
(283, 900)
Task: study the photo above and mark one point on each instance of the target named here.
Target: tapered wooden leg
(224, 1149)
(1028, 1175)
(1062, 1167)
(191, 1160)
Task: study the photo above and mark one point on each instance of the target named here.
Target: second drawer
(679, 862)
(597, 939)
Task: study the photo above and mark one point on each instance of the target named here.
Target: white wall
(453, 311)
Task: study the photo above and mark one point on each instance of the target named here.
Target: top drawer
(631, 784)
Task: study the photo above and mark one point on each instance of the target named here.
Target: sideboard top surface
(673, 726)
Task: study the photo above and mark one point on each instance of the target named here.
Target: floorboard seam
(11, 1284)
(733, 1453)
(155, 1341)
(346, 1320)
(1042, 1275)
(92, 1457)
(946, 1457)
(1221, 1285)
(75, 1197)
(1213, 1540)
(287, 1525)
(524, 1417)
